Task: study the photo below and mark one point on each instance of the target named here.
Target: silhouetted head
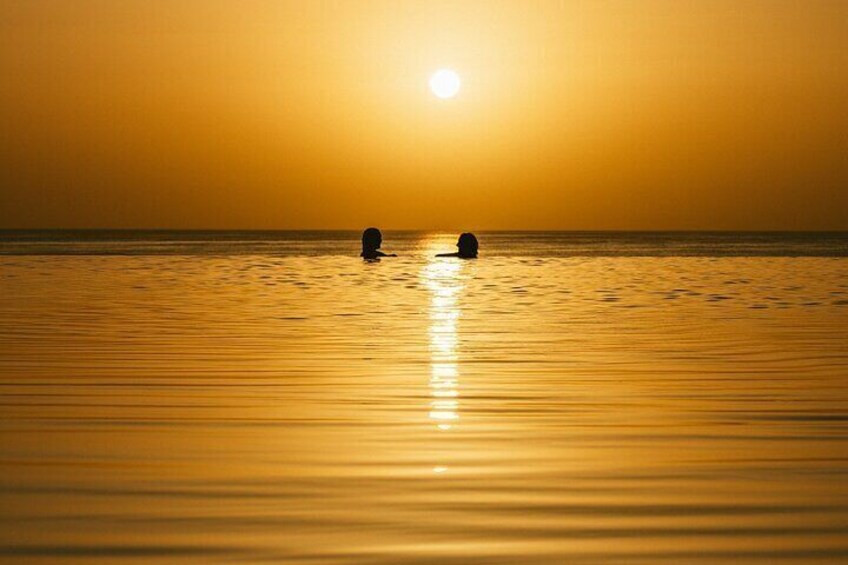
(372, 239)
(467, 245)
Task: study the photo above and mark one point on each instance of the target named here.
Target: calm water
(566, 398)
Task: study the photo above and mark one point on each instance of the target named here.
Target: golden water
(253, 408)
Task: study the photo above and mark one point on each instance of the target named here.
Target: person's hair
(468, 244)
(371, 238)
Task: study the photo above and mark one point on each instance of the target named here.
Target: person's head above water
(372, 239)
(467, 245)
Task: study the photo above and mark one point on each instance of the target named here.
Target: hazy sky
(665, 114)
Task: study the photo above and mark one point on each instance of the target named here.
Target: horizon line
(422, 230)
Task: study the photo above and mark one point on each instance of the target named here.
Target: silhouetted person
(467, 246)
(372, 239)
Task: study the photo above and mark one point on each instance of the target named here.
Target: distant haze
(711, 114)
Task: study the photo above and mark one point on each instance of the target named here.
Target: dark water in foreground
(567, 398)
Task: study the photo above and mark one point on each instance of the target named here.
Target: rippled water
(247, 407)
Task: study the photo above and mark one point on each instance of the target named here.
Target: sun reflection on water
(442, 278)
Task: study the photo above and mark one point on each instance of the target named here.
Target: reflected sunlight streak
(442, 279)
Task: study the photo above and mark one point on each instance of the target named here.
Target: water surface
(567, 398)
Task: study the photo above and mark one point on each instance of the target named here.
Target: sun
(445, 83)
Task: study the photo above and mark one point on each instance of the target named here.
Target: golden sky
(655, 114)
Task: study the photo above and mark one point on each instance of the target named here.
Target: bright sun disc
(445, 83)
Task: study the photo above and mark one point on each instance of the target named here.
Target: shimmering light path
(442, 277)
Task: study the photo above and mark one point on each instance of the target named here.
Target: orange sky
(712, 114)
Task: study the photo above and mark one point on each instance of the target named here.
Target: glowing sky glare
(250, 114)
(445, 83)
